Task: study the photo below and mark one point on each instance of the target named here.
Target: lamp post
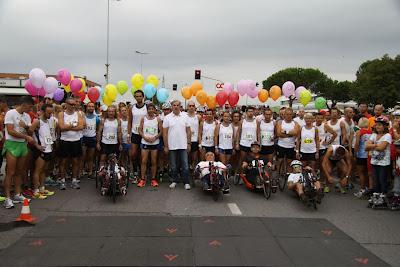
(108, 40)
(141, 59)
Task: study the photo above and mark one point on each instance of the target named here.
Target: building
(12, 85)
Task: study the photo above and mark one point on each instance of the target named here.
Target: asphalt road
(375, 230)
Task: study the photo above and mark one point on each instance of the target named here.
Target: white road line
(234, 209)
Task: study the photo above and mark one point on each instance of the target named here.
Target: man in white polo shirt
(177, 141)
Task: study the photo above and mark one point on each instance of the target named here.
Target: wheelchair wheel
(267, 188)
(113, 185)
(236, 179)
(96, 166)
(282, 176)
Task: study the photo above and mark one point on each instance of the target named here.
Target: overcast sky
(227, 39)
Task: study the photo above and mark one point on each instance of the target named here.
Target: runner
(247, 133)
(207, 137)
(126, 144)
(300, 117)
(194, 123)
(225, 140)
(307, 145)
(266, 133)
(338, 126)
(89, 139)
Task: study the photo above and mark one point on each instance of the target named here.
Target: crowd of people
(46, 144)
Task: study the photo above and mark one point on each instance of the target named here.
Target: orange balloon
(196, 86)
(211, 102)
(186, 92)
(275, 92)
(201, 97)
(263, 95)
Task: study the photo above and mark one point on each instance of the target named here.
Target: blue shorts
(160, 146)
(89, 142)
(225, 151)
(126, 147)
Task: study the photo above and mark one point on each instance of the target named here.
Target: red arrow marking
(362, 260)
(62, 220)
(171, 230)
(36, 243)
(327, 232)
(208, 221)
(170, 257)
(215, 243)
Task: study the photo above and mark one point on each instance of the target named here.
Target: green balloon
(320, 103)
(122, 87)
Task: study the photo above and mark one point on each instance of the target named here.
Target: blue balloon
(149, 90)
(162, 95)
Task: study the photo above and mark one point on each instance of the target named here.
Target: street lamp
(108, 39)
(141, 59)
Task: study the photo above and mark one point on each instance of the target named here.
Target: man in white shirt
(177, 141)
(300, 117)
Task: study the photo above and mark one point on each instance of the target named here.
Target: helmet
(396, 112)
(166, 105)
(296, 162)
(382, 119)
(255, 143)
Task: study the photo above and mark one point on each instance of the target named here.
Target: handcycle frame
(308, 181)
(216, 189)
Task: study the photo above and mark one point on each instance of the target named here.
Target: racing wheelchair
(218, 183)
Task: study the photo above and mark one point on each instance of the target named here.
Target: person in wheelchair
(250, 166)
(302, 186)
(203, 168)
(105, 173)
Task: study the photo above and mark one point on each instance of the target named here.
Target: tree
(378, 81)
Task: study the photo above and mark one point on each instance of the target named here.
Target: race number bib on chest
(111, 136)
(150, 131)
(48, 140)
(266, 136)
(248, 137)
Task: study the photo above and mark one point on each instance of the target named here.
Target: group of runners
(44, 143)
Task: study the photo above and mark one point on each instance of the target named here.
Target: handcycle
(283, 174)
(112, 171)
(310, 191)
(216, 188)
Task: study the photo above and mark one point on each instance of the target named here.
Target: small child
(105, 173)
(203, 167)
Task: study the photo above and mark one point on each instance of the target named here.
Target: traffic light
(174, 87)
(197, 74)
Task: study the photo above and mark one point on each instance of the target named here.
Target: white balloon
(51, 95)
(50, 85)
(37, 77)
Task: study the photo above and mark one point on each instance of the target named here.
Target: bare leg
(145, 156)
(10, 173)
(153, 163)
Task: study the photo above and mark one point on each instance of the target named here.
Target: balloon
(83, 84)
(51, 95)
(106, 100)
(211, 103)
(137, 81)
(32, 90)
(263, 95)
(233, 98)
(221, 98)
(288, 89)
(305, 97)
(133, 90)
(320, 103)
(63, 76)
(201, 97)
(111, 92)
(196, 86)
(122, 87)
(67, 88)
(37, 77)
(275, 92)
(75, 85)
(58, 94)
(50, 85)
(41, 92)
(298, 91)
(93, 94)
(252, 92)
(228, 88)
(242, 87)
(149, 90)
(152, 79)
(162, 95)
(186, 93)
(251, 86)
(82, 96)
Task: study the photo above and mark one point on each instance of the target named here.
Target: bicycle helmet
(382, 119)
(396, 112)
(296, 163)
(166, 105)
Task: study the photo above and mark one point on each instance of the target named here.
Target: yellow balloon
(201, 97)
(196, 86)
(83, 84)
(263, 95)
(107, 101)
(152, 79)
(67, 88)
(305, 97)
(137, 81)
(185, 91)
(111, 91)
(211, 102)
(275, 92)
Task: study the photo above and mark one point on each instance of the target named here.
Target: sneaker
(20, 199)
(172, 185)
(142, 183)
(8, 203)
(326, 189)
(103, 191)
(75, 185)
(154, 183)
(38, 195)
(187, 186)
(47, 193)
(2, 198)
(342, 190)
(360, 193)
(123, 191)
(50, 182)
(206, 186)
(62, 186)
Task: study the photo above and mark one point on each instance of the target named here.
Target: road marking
(208, 221)
(362, 260)
(215, 243)
(36, 243)
(327, 232)
(171, 257)
(234, 209)
(171, 230)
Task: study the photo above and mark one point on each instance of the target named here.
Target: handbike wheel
(236, 179)
(113, 188)
(282, 177)
(96, 166)
(267, 189)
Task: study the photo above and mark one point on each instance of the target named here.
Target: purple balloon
(228, 88)
(242, 87)
(299, 90)
(288, 89)
(58, 94)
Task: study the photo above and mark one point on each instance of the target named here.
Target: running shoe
(50, 182)
(20, 199)
(326, 189)
(187, 186)
(206, 187)
(2, 198)
(62, 186)
(38, 195)
(360, 193)
(103, 191)
(342, 190)
(172, 185)
(75, 185)
(154, 183)
(142, 183)
(47, 192)
(8, 203)
(123, 191)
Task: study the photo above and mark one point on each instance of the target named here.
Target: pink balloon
(32, 90)
(253, 93)
(75, 85)
(288, 88)
(242, 87)
(251, 86)
(299, 90)
(64, 76)
(228, 88)
(42, 92)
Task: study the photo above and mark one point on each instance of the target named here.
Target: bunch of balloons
(227, 94)
(110, 94)
(39, 85)
(247, 87)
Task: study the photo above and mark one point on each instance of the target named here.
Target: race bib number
(228, 136)
(248, 137)
(111, 136)
(48, 140)
(136, 128)
(89, 127)
(308, 141)
(266, 136)
(150, 131)
(209, 138)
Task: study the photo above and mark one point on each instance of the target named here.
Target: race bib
(136, 128)
(111, 136)
(248, 137)
(266, 136)
(308, 141)
(228, 136)
(48, 140)
(89, 127)
(125, 131)
(150, 131)
(209, 138)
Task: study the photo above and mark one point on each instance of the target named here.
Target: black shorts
(194, 146)
(136, 139)
(362, 161)
(281, 152)
(225, 151)
(307, 156)
(267, 150)
(149, 147)
(44, 156)
(109, 149)
(209, 148)
(89, 142)
(71, 149)
(244, 148)
(322, 152)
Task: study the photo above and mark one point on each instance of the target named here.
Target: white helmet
(296, 162)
